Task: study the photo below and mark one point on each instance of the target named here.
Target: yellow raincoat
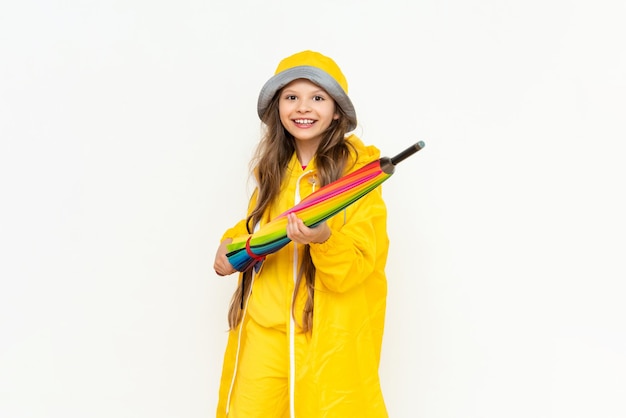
(335, 366)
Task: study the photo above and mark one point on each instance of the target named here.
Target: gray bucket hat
(316, 68)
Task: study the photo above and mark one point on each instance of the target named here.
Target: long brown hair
(269, 166)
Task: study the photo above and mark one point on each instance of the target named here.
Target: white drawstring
(292, 324)
(297, 195)
(292, 341)
(243, 317)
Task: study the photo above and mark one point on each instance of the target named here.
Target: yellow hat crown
(317, 60)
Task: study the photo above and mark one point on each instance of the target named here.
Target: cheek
(283, 112)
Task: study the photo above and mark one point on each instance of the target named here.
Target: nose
(303, 106)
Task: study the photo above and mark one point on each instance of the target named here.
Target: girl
(306, 328)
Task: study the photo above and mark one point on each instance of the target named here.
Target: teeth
(304, 121)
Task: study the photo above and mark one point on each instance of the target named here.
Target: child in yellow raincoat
(306, 328)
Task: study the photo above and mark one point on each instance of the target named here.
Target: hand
(222, 266)
(299, 233)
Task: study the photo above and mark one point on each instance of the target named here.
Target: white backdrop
(126, 128)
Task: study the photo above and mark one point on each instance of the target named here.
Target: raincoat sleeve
(235, 231)
(357, 247)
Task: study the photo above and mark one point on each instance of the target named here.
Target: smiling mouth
(304, 121)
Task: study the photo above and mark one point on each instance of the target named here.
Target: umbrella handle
(407, 153)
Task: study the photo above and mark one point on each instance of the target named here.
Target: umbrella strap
(250, 253)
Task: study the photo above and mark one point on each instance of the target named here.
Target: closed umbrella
(246, 251)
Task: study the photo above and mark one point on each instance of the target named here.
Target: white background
(126, 128)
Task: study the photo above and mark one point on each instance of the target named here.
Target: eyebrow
(315, 92)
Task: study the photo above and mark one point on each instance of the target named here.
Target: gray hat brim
(315, 75)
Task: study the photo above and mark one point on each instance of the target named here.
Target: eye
(290, 97)
(318, 98)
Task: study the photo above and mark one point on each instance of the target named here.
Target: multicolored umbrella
(246, 251)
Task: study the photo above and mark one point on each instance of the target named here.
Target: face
(306, 111)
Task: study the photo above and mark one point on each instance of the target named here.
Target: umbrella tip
(407, 152)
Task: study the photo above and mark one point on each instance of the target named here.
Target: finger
(292, 226)
(297, 224)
